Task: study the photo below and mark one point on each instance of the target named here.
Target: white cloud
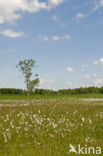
(95, 62)
(10, 9)
(98, 81)
(69, 83)
(84, 65)
(95, 75)
(46, 81)
(99, 4)
(99, 62)
(70, 69)
(66, 37)
(59, 38)
(79, 16)
(11, 33)
(54, 38)
(53, 3)
(87, 76)
(46, 38)
(43, 38)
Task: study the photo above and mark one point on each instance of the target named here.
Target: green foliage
(66, 92)
(86, 90)
(11, 91)
(45, 92)
(26, 69)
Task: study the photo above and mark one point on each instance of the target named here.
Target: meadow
(46, 127)
(55, 96)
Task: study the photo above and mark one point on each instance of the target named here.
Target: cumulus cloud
(43, 38)
(10, 9)
(98, 62)
(69, 69)
(95, 62)
(52, 3)
(98, 81)
(79, 16)
(95, 75)
(99, 4)
(11, 33)
(59, 38)
(54, 38)
(101, 61)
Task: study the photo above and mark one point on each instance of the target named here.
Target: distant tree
(26, 69)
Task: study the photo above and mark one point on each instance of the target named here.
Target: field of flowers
(48, 127)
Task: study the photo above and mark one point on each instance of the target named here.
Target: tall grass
(36, 96)
(47, 128)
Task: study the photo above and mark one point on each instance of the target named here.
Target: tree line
(81, 90)
(31, 82)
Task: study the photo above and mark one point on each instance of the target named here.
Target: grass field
(48, 127)
(30, 97)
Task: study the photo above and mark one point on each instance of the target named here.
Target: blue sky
(65, 37)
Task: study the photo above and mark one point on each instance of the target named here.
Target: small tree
(26, 69)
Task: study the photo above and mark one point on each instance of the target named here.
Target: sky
(64, 37)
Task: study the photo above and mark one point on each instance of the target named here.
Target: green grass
(26, 97)
(47, 128)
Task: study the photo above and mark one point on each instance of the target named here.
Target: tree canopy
(25, 67)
